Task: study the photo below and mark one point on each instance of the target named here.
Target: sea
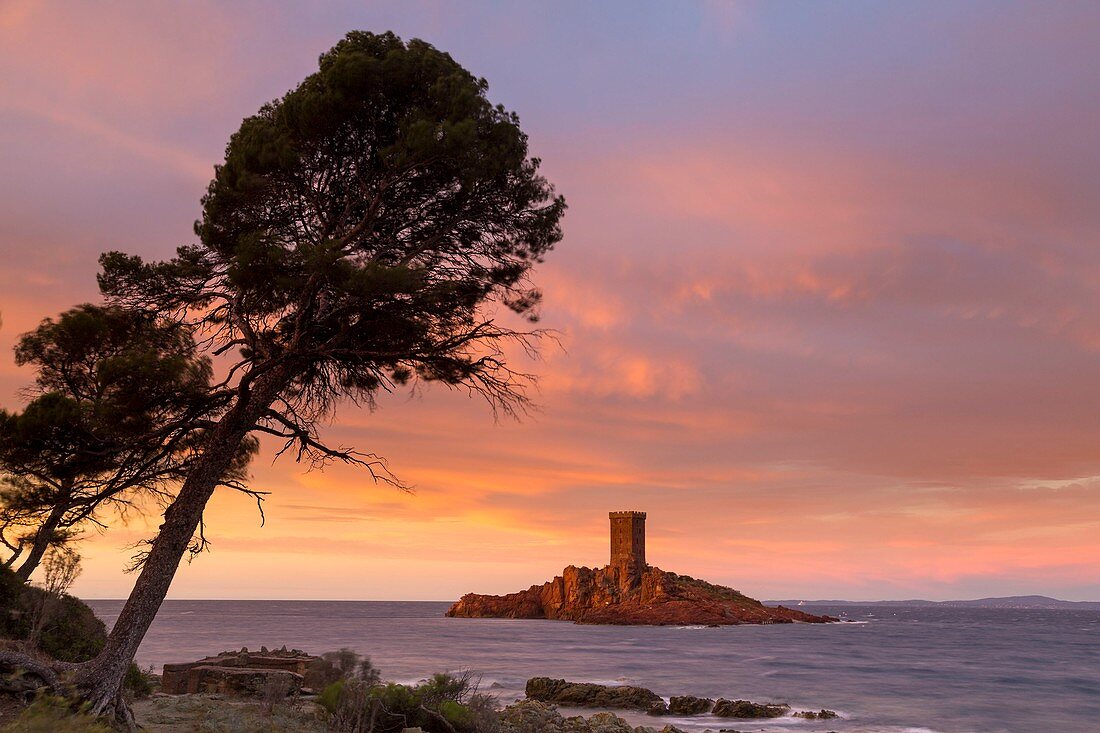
(884, 669)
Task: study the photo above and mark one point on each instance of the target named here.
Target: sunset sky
(828, 292)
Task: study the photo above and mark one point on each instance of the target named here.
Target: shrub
(346, 664)
(61, 567)
(348, 706)
(53, 715)
(11, 587)
(396, 707)
(370, 674)
(137, 682)
(483, 709)
(330, 697)
(442, 704)
(443, 687)
(344, 661)
(274, 693)
(72, 633)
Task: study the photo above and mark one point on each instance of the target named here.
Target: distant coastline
(1044, 603)
(1021, 602)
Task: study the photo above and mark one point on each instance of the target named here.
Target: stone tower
(628, 542)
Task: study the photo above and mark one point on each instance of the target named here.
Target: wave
(785, 724)
(618, 682)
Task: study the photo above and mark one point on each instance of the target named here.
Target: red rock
(600, 596)
(629, 592)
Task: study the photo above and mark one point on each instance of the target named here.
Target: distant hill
(1036, 602)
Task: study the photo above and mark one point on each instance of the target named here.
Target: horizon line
(821, 601)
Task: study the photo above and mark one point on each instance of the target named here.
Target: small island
(629, 592)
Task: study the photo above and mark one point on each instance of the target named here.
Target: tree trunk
(100, 680)
(42, 538)
(18, 666)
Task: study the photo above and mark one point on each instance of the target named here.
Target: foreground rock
(590, 695)
(248, 674)
(746, 709)
(533, 716)
(615, 595)
(817, 715)
(689, 705)
(631, 697)
(191, 713)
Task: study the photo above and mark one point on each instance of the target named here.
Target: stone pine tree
(360, 235)
(118, 404)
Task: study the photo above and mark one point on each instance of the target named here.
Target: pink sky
(827, 293)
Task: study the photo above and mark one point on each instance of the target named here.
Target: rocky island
(628, 591)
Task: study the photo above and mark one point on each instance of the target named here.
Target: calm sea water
(894, 670)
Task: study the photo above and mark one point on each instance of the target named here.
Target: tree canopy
(362, 232)
(357, 226)
(118, 403)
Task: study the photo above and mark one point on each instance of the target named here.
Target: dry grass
(53, 715)
(220, 714)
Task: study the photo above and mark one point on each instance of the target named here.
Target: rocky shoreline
(615, 595)
(283, 690)
(227, 684)
(162, 713)
(630, 697)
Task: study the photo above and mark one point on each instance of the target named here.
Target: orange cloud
(834, 343)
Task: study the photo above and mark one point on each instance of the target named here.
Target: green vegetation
(70, 632)
(346, 664)
(114, 413)
(138, 682)
(688, 584)
(48, 714)
(442, 704)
